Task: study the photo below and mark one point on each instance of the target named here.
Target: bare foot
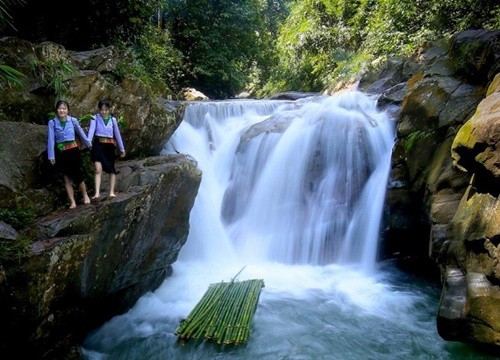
(96, 196)
(86, 199)
(112, 195)
(72, 206)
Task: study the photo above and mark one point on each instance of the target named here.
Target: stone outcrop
(87, 265)
(190, 94)
(475, 148)
(20, 147)
(88, 76)
(434, 95)
(470, 256)
(448, 121)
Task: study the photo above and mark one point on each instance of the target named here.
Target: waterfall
(298, 182)
(294, 191)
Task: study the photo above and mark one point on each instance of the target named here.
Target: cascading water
(293, 191)
(297, 183)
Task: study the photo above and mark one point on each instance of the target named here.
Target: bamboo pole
(196, 310)
(228, 303)
(235, 311)
(224, 313)
(207, 310)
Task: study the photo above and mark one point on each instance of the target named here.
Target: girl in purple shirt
(63, 151)
(103, 133)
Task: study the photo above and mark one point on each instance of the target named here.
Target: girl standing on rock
(106, 131)
(63, 150)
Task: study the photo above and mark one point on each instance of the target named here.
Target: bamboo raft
(223, 314)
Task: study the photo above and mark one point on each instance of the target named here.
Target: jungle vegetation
(223, 47)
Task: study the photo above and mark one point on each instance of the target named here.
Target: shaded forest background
(223, 47)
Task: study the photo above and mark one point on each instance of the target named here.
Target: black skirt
(105, 154)
(69, 163)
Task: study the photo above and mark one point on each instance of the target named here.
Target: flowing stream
(293, 193)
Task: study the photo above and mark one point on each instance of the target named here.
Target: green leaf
(11, 76)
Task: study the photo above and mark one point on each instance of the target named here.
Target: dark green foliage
(13, 250)
(413, 138)
(8, 75)
(82, 25)
(325, 41)
(18, 219)
(222, 47)
(223, 42)
(128, 24)
(158, 64)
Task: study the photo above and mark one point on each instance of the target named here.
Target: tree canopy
(323, 41)
(83, 24)
(223, 41)
(223, 47)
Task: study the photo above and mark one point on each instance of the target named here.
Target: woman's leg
(83, 189)
(112, 181)
(97, 179)
(69, 190)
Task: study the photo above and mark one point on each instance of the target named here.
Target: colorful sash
(66, 145)
(106, 140)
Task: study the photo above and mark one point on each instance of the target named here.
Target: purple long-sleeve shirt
(98, 128)
(56, 133)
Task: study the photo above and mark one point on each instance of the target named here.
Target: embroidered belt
(106, 140)
(67, 146)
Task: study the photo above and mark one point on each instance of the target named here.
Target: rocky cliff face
(434, 209)
(469, 308)
(70, 270)
(86, 265)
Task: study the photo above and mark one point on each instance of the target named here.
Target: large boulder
(468, 308)
(191, 94)
(475, 147)
(20, 147)
(148, 121)
(85, 265)
(470, 254)
(475, 55)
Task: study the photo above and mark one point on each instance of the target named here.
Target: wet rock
(89, 264)
(475, 148)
